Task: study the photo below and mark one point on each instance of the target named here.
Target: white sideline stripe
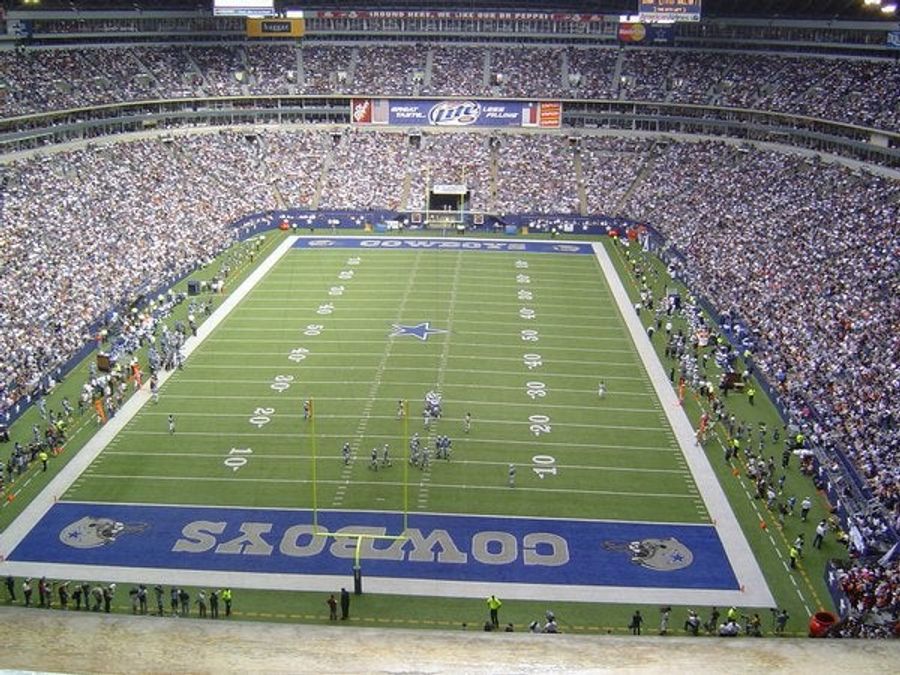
(746, 568)
(500, 487)
(62, 481)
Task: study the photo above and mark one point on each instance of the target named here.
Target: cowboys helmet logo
(661, 555)
(90, 532)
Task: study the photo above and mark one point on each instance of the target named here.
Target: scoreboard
(659, 11)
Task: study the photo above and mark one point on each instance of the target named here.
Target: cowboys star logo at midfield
(420, 330)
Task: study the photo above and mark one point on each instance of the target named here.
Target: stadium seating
(863, 92)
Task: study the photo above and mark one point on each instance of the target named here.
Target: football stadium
(410, 319)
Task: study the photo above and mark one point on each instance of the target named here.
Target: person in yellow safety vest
(732, 614)
(493, 604)
(43, 456)
(751, 392)
(226, 598)
(794, 554)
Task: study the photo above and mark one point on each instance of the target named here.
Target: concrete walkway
(56, 641)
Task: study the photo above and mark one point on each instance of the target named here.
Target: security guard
(493, 604)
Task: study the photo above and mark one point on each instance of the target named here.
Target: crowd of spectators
(873, 596)
(456, 71)
(857, 91)
(609, 166)
(535, 175)
(273, 68)
(223, 69)
(85, 230)
(805, 253)
(368, 171)
(395, 68)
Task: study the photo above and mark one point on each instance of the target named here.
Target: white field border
(754, 590)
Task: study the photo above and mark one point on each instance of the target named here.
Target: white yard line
(500, 488)
(754, 589)
(484, 404)
(390, 437)
(425, 483)
(374, 385)
(367, 416)
(394, 383)
(189, 455)
(380, 331)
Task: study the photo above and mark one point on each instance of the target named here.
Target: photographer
(692, 623)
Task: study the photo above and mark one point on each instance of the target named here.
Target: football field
(294, 443)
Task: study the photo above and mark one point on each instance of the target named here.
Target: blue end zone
(440, 547)
(447, 244)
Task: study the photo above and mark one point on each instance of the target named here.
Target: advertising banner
(654, 11)
(645, 33)
(275, 28)
(456, 113)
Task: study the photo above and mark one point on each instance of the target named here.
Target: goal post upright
(315, 461)
(405, 465)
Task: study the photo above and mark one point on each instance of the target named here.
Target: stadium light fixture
(889, 8)
(869, 3)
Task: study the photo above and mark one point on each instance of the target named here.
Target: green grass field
(318, 327)
(241, 438)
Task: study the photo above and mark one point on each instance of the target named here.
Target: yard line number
(538, 425)
(237, 458)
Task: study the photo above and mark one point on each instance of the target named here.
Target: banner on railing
(456, 113)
